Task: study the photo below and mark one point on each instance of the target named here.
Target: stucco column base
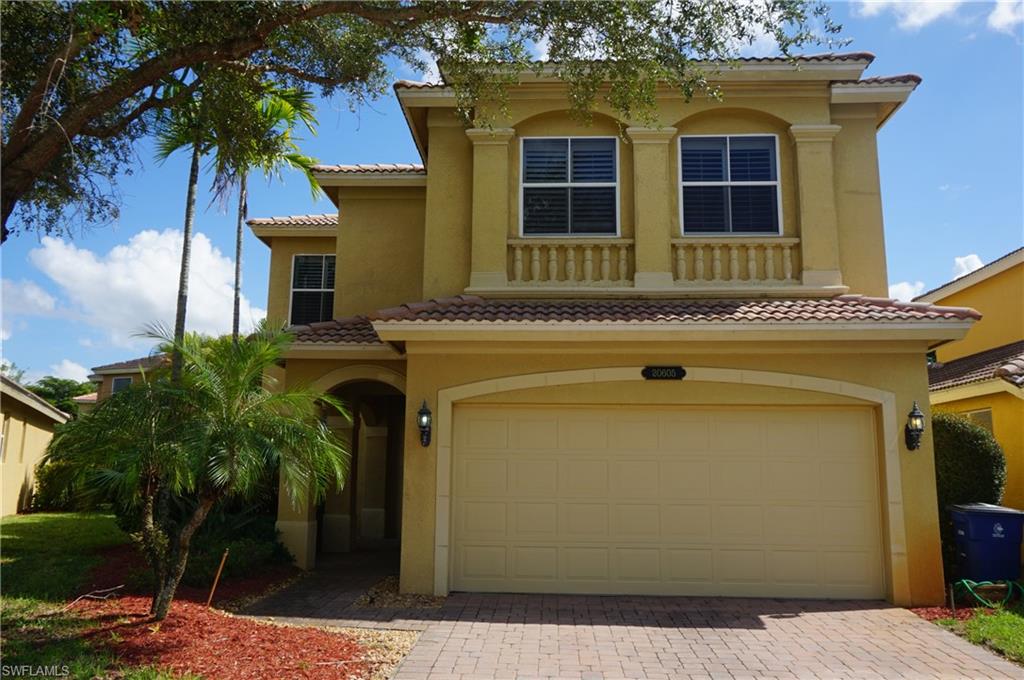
(653, 280)
(300, 539)
(488, 280)
(822, 278)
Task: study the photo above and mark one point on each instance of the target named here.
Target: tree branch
(150, 103)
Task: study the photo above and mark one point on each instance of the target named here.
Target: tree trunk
(186, 257)
(242, 210)
(165, 593)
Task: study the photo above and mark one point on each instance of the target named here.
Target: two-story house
(982, 376)
(623, 358)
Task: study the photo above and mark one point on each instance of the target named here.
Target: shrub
(969, 468)
(55, 489)
(246, 557)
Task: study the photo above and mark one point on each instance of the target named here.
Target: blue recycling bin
(988, 539)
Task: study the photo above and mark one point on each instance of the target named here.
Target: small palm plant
(219, 433)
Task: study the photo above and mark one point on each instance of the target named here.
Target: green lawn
(1002, 630)
(44, 561)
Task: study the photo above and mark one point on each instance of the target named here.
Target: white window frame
(113, 382)
(291, 280)
(523, 185)
(777, 184)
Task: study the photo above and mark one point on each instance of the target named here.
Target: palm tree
(271, 148)
(217, 435)
(184, 127)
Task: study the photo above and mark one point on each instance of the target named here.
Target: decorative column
(652, 203)
(488, 265)
(819, 228)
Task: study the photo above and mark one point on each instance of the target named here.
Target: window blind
(569, 186)
(730, 184)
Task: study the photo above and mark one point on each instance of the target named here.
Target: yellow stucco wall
(26, 434)
(1008, 429)
(380, 249)
(998, 298)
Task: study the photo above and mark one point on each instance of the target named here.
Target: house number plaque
(663, 373)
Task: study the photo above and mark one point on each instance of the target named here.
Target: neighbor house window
(730, 184)
(312, 289)
(569, 186)
(981, 418)
(120, 384)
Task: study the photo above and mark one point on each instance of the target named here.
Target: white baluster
(751, 262)
(517, 264)
(606, 264)
(716, 263)
(698, 262)
(570, 263)
(769, 263)
(552, 263)
(534, 264)
(681, 262)
(787, 263)
(588, 264)
(623, 264)
(734, 263)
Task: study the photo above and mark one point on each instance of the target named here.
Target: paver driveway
(560, 636)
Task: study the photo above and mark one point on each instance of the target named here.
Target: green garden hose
(969, 586)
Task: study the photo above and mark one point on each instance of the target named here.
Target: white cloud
(1006, 15)
(133, 285)
(909, 15)
(905, 290)
(26, 297)
(5, 333)
(70, 370)
(962, 266)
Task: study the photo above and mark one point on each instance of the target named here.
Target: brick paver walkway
(561, 636)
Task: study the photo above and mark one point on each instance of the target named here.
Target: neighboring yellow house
(111, 378)
(982, 376)
(28, 424)
(569, 276)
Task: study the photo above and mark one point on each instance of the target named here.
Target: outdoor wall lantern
(915, 428)
(424, 419)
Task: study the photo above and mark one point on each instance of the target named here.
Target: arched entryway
(365, 514)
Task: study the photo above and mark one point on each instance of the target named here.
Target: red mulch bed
(936, 613)
(209, 642)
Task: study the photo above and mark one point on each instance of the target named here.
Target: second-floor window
(120, 384)
(730, 184)
(312, 296)
(570, 186)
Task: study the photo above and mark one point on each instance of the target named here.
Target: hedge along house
(645, 359)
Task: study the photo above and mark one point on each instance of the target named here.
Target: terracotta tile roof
(86, 398)
(1013, 371)
(353, 330)
(845, 308)
(325, 220)
(372, 168)
(415, 85)
(903, 78)
(132, 365)
(824, 57)
(1005, 362)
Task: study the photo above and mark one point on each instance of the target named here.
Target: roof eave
(933, 332)
(993, 268)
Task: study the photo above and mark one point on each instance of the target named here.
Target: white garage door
(683, 501)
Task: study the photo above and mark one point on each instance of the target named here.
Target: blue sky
(951, 165)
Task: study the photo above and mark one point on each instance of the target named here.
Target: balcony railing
(735, 261)
(570, 262)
